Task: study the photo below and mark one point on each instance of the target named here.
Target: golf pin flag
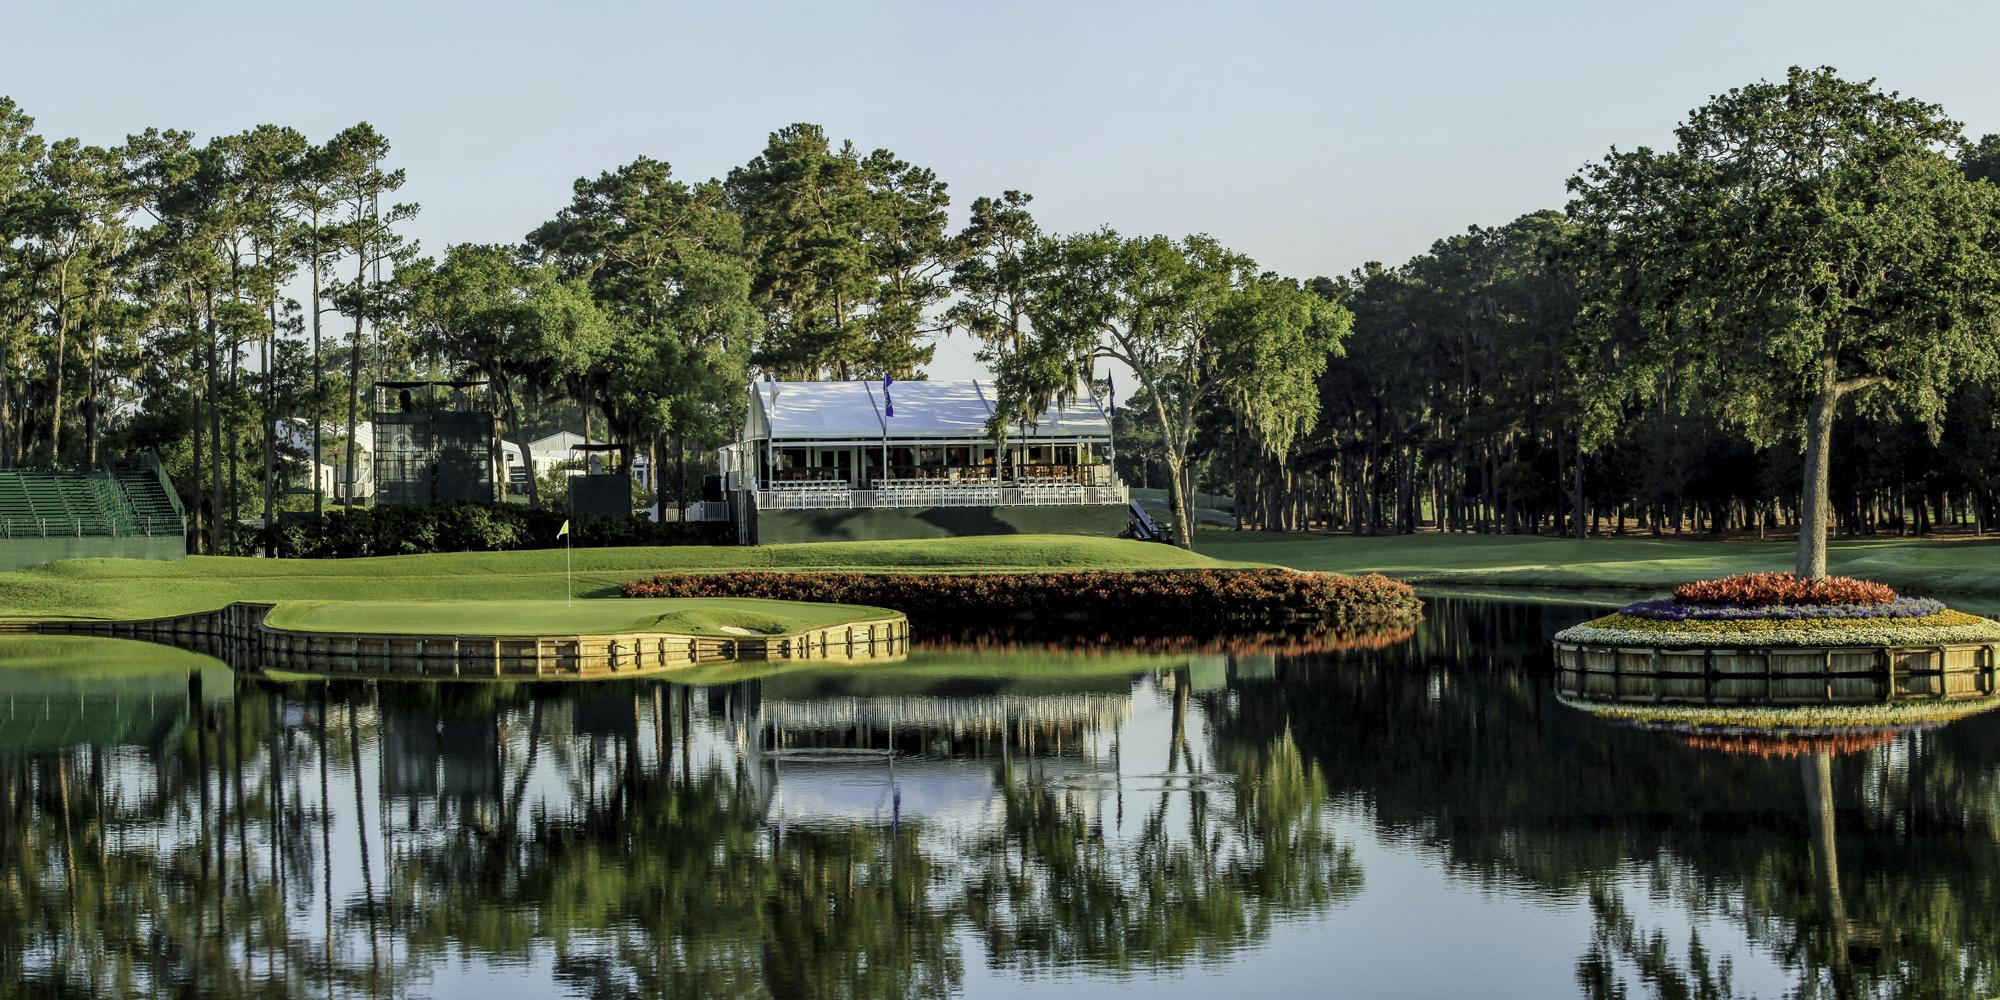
(888, 404)
(564, 533)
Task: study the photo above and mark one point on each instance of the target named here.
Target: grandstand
(130, 511)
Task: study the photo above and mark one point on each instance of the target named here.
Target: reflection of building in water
(978, 726)
(609, 714)
(431, 756)
(890, 758)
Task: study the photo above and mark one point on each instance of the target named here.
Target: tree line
(1783, 320)
(196, 298)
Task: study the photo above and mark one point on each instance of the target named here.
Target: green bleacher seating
(153, 510)
(36, 503)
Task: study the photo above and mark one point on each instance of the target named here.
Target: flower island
(1775, 639)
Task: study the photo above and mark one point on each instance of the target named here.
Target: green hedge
(1147, 602)
(469, 526)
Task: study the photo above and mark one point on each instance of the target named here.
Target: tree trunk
(319, 377)
(1817, 769)
(214, 429)
(655, 455)
(520, 441)
(6, 413)
(56, 367)
(354, 376)
(1177, 506)
(270, 417)
(90, 427)
(1813, 506)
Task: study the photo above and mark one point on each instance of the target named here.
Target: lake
(1398, 815)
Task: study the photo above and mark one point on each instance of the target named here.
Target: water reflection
(985, 821)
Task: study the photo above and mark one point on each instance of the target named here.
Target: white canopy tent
(906, 441)
(867, 411)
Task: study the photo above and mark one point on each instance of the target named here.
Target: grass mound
(683, 616)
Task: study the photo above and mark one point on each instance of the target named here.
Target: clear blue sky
(1312, 136)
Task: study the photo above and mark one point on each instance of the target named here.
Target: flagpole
(569, 542)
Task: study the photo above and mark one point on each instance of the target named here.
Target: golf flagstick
(569, 586)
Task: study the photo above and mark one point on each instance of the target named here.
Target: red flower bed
(1320, 640)
(1777, 745)
(1156, 602)
(1757, 590)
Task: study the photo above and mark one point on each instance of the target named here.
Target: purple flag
(1113, 391)
(888, 404)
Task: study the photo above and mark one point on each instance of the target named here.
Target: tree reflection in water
(1863, 878)
(869, 834)
(645, 839)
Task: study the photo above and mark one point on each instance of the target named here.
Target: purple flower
(1670, 610)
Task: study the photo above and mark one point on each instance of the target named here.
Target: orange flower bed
(1314, 642)
(1757, 590)
(1151, 602)
(1774, 745)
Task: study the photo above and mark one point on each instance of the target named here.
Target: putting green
(703, 616)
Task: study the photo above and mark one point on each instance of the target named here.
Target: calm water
(1413, 817)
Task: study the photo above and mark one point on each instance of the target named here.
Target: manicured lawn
(127, 588)
(1483, 561)
(122, 588)
(681, 616)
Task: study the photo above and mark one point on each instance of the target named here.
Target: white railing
(910, 492)
(973, 495)
(1051, 494)
(934, 493)
(808, 496)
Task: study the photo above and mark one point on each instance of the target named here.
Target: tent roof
(945, 409)
(562, 440)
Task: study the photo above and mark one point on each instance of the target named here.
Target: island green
(703, 616)
(128, 588)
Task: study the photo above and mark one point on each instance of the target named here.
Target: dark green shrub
(1155, 602)
(469, 526)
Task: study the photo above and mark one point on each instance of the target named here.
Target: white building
(295, 434)
(551, 450)
(918, 446)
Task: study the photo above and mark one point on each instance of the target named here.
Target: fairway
(132, 588)
(703, 616)
(1913, 566)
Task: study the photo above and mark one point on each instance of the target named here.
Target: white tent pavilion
(915, 444)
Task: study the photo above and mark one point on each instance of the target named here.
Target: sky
(1314, 137)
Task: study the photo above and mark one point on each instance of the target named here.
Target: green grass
(132, 588)
(1485, 561)
(680, 616)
